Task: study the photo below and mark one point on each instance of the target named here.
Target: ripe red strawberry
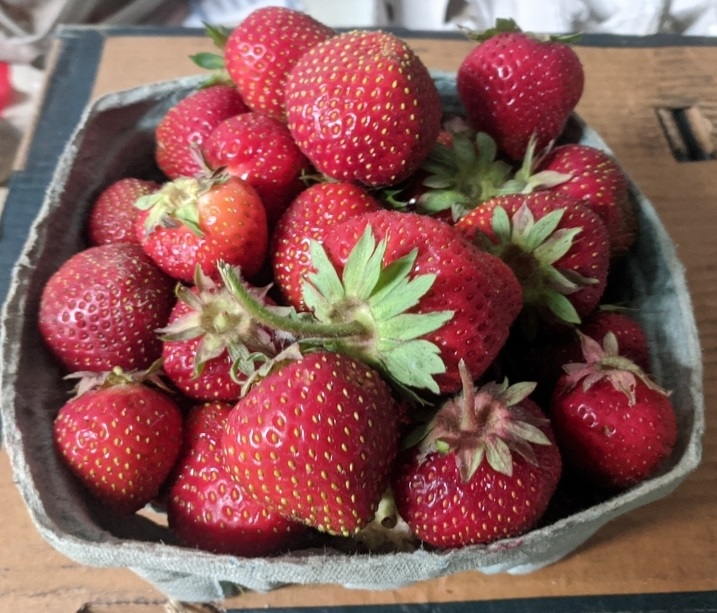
(513, 85)
(557, 247)
(599, 182)
(207, 509)
(315, 441)
(615, 427)
(209, 341)
(121, 439)
(363, 107)
(487, 469)
(260, 150)
(101, 308)
(261, 50)
(113, 214)
(198, 222)
(187, 124)
(463, 311)
(309, 216)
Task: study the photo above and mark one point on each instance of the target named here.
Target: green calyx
(532, 248)
(508, 25)
(214, 62)
(485, 424)
(88, 381)
(364, 313)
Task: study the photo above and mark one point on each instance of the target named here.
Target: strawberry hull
(103, 150)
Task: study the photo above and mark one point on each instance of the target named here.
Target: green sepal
(208, 60)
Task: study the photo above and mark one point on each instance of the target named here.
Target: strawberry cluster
(346, 317)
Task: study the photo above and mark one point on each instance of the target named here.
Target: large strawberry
(101, 307)
(614, 425)
(113, 214)
(207, 509)
(596, 179)
(557, 247)
(486, 470)
(315, 441)
(261, 50)
(514, 86)
(121, 438)
(186, 125)
(363, 107)
(260, 150)
(193, 222)
(308, 217)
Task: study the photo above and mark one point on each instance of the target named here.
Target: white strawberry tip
(485, 424)
(605, 362)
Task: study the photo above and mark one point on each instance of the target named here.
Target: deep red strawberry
(210, 339)
(101, 308)
(614, 425)
(187, 124)
(260, 150)
(315, 441)
(207, 509)
(261, 50)
(309, 216)
(557, 247)
(198, 222)
(486, 470)
(363, 107)
(113, 215)
(599, 182)
(121, 439)
(514, 86)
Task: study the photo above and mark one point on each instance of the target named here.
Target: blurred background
(26, 29)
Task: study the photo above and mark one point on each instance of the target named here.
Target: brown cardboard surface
(670, 545)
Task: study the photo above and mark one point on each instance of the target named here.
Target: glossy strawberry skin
(233, 227)
(180, 133)
(101, 308)
(207, 509)
(121, 442)
(489, 507)
(479, 288)
(309, 216)
(260, 150)
(315, 441)
(261, 50)
(113, 214)
(513, 85)
(607, 440)
(343, 101)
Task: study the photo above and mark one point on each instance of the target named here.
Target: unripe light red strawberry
(363, 107)
(207, 509)
(121, 439)
(183, 129)
(101, 308)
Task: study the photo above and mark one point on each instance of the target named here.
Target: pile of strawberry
(347, 316)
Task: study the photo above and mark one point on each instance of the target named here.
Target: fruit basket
(115, 139)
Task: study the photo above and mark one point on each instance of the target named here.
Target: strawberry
(363, 107)
(197, 222)
(315, 440)
(186, 125)
(309, 216)
(599, 182)
(210, 339)
(101, 307)
(260, 150)
(614, 425)
(513, 86)
(261, 50)
(557, 247)
(464, 308)
(486, 470)
(113, 214)
(207, 509)
(120, 437)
